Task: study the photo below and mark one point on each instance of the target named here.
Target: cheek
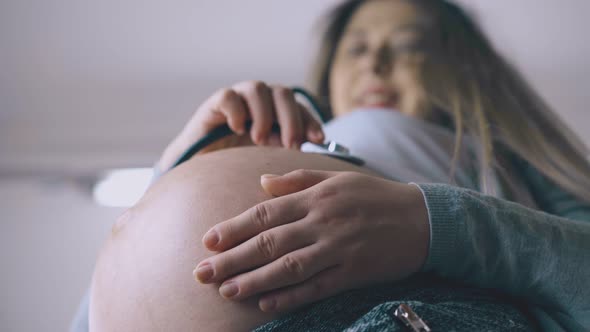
(407, 80)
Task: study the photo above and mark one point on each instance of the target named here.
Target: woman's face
(376, 59)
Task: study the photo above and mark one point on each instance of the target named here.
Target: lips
(378, 97)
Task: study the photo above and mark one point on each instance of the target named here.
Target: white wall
(50, 233)
(87, 85)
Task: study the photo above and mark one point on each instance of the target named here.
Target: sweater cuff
(440, 201)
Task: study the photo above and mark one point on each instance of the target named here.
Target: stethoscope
(330, 148)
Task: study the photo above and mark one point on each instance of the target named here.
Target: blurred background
(91, 86)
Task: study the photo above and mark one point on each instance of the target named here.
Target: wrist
(419, 217)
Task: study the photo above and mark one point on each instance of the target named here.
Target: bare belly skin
(143, 277)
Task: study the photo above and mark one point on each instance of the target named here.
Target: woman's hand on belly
(325, 233)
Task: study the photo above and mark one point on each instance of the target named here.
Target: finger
(255, 220)
(257, 251)
(313, 129)
(233, 110)
(288, 116)
(258, 98)
(290, 269)
(295, 181)
(320, 286)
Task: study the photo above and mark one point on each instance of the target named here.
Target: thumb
(279, 185)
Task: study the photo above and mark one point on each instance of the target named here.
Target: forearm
(492, 243)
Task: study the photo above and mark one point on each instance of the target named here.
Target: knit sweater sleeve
(542, 257)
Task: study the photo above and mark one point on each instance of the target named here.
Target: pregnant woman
(473, 206)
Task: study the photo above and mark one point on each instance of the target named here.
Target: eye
(356, 49)
(407, 42)
(408, 47)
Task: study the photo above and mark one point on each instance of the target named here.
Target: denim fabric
(442, 304)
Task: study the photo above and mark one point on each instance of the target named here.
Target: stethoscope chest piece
(332, 149)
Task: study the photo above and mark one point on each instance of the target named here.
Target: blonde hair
(483, 96)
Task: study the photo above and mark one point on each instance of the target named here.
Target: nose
(382, 61)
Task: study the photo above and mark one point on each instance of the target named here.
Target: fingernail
(268, 176)
(203, 272)
(229, 289)
(211, 238)
(268, 304)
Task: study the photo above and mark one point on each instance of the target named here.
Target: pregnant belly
(143, 277)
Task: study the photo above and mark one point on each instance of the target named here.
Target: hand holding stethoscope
(253, 108)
